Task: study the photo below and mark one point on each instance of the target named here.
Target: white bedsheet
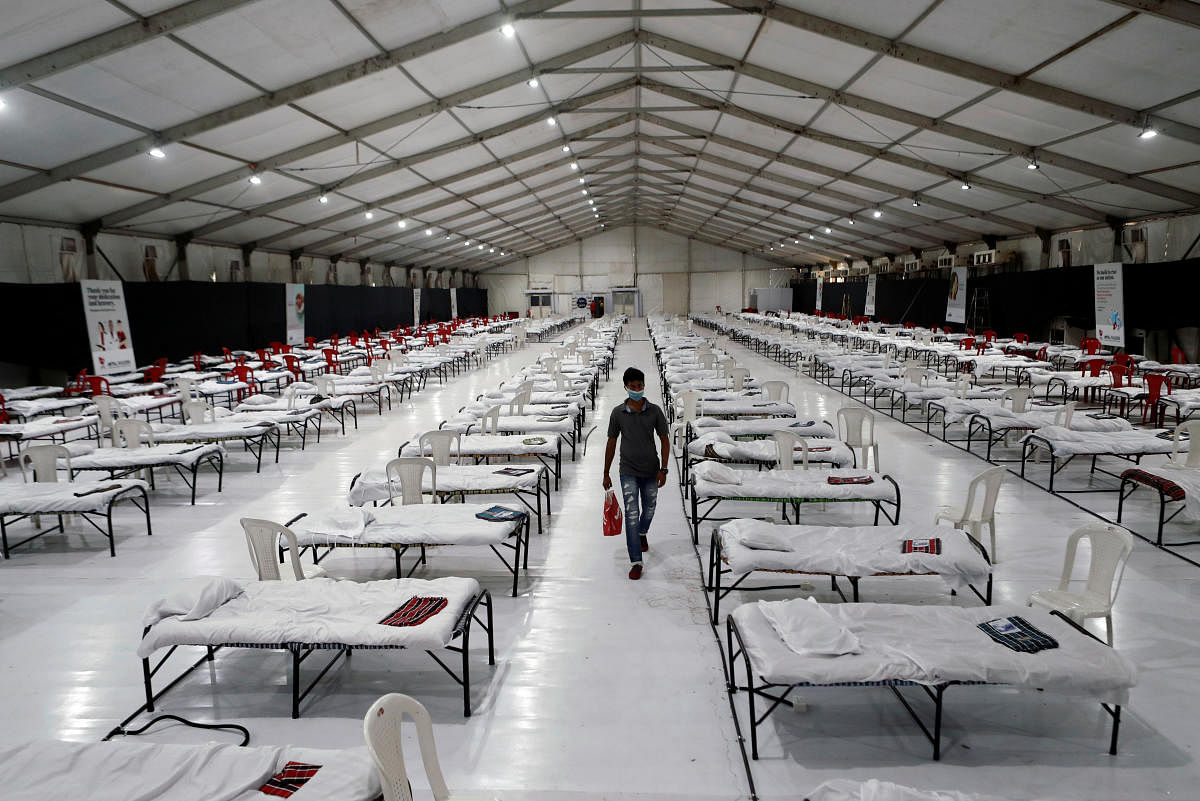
(118, 458)
(17, 499)
(1067, 442)
(530, 423)
(319, 611)
(854, 551)
(936, 644)
(372, 484)
(723, 446)
(764, 428)
(230, 427)
(492, 445)
(1188, 479)
(811, 484)
(747, 406)
(427, 524)
(126, 770)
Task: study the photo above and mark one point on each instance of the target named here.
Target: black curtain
(341, 309)
(177, 318)
(472, 302)
(435, 305)
(42, 326)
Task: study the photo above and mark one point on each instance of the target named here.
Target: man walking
(642, 471)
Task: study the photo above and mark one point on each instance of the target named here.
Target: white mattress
(764, 428)
(855, 551)
(318, 611)
(811, 484)
(491, 445)
(46, 498)
(232, 427)
(372, 484)
(28, 393)
(46, 426)
(426, 524)
(127, 770)
(529, 423)
(825, 451)
(1067, 442)
(748, 406)
(936, 644)
(1188, 479)
(36, 406)
(146, 456)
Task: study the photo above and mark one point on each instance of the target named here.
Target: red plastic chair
(3, 411)
(277, 348)
(1123, 359)
(1155, 383)
(1021, 339)
(161, 363)
(333, 340)
(264, 355)
(1089, 345)
(910, 325)
(79, 386)
(966, 343)
(989, 335)
(98, 385)
(981, 348)
(1120, 375)
(310, 342)
(242, 373)
(353, 340)
(198, 360)
(1040, 356)
(1092, 367)
(430, 339)
(228, 354)
(332, 365)
(293, 365)
(152, 375)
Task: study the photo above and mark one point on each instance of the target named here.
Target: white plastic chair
(686, 410)
(384, 735)
(737, 378)
(785, 450)
(776, 390)
(1018, 398)
(962, 385)
(1063, 416)
(379, 371)
(850, 420)
(325, 385)
(1111, 546)
(1192, 459)
(441, 444)
(972, 519)
(262, 537)
(707, 360)
(109, 409)
(129, 433)
(521, 398)
(43, 462)
(186, 387)
(409, 473)
(490, 421)
(195, 412)
(914, 374)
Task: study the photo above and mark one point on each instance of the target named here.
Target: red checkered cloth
(287, 781)
(415, 611)
(850, 480)
(1163, 485)
(933, 546)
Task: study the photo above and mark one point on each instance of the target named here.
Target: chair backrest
(409, 473)
(1021, 338)
(737, 378)
(490, 421)
(379, 370)
(1018, 397)
(1119, 374)
(1111, 546)
(186, 387)
(196, 412)
(153, 374)
(43, 461)
(521, 397)
(914, 375)
(129, 433)
(551, 364)
(1089, 345)
(585, 355)
(1155, 383)
(384, 735)
(1064, 415)
(707, 361)
(109, 409)
(262, 537)
(1092, 367)
(686, 403)
(1191, 429)
(962, 385)
(561, 382)
(850, 421)
(442, 444)
(776, 390)
(1123, 359)
(324, 384)
(785, 450)
(982, 492)
(98, 385)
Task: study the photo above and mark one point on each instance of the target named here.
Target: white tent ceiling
(839, 130)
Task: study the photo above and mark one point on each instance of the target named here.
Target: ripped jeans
(638, 514)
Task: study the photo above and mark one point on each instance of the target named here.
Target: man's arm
(610, 450)
(666, 458)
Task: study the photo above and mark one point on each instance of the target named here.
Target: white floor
(603, 688)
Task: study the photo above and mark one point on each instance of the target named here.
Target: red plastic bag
(612, 514)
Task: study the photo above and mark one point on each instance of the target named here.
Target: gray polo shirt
(639, 446)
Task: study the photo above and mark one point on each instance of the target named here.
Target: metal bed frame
(107, 531)
(216, 460)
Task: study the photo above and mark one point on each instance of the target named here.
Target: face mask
(634, 396)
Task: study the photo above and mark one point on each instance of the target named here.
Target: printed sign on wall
(1110, 304)
(820, 291)
(956, 300)
(293, 312)
(108, 328)
(869, 310)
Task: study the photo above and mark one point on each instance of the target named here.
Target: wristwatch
(662, 470)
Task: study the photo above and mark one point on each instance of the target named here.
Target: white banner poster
(869, 310)
(293, 312)
(820, 291)
(956, 300)
(108, 330)
(1110, 304)
(416, 306)
(453, 303)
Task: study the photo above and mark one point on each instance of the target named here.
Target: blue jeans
(638, 515)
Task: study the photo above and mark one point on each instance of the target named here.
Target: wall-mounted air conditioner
(912, 265)
(1136, 244)
(983, 257)
(946, 261)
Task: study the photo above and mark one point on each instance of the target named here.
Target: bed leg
(295, 650)
(1116, 729)
(854, 587)
(937, 723)
(466, 675)
(112, 542)
(3, 537)
(525, 525)
(146, 681)
(491, 633)
(516, 563)
(396, 552)
(211, 653)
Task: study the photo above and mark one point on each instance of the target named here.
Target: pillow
(717, 473)
(303, 386)
(806, 628)
(764, 541)
(259, 400)
(193, 599)
(361, 371)
(715, 436)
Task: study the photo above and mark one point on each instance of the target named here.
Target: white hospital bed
(1063, 445)
(486, 447)
(185, 460)
(88, 499)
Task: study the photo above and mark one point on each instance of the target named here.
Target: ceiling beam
(391, 121)
(1182, 11)
(907, 117)
(112, 41)
(998, 79)
(465, 175)
(280, 97)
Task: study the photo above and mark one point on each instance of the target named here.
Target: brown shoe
(635, 572)
(645, 543)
